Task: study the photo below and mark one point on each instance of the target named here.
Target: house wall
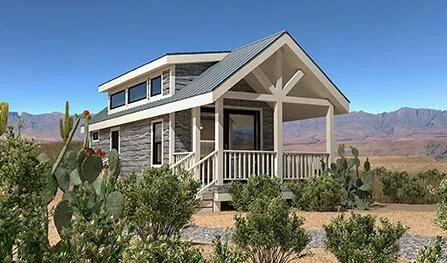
(135, 144)
(183, 130)
(185, 73)
(166, 87)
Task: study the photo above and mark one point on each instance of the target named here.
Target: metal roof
(208, 81)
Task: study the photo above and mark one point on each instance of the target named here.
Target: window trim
(152, 142)
(93, 140)
(119, 138)
(134, 86)
(161, 86)
(125, 99)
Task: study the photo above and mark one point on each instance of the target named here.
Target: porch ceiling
(292, 112)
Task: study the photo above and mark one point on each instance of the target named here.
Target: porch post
(171, 137)
(219, 139)
(277, 139)
(330, 132)
(195, 112)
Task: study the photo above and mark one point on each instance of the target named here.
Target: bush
(268, 233)
(401, 188)
(357, 239)
(223, 253)
(168, 251)
(262, 186)
(432, 253)
(159, 203)
(430, 181)
(441, 213)
(323, 193)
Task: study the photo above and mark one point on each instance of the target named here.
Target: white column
(330, 132)
(219, 139)
(195, 112)
(277, 139)
(171, 137)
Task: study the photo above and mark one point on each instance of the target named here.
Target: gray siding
(183, 129)
(185, 73)
(166, 88)
(135, 144)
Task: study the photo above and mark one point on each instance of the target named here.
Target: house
(219, 114)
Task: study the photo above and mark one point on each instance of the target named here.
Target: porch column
(219, 139)
(171, 137)
(277, 139)
(330, 132)
(195, 112)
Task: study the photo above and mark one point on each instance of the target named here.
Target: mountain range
(404, 132)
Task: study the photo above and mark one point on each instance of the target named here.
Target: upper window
(156, 86)
(118, 99)
(137, 92)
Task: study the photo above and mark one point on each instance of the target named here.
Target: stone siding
(183, 130)
(104, 140)
(166, 88)
(185, 73)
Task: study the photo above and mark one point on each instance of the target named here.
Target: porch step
(206, 203)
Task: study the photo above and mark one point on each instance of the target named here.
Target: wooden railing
(205, 170)
(298, 165)
(240, 165)
(183, 163)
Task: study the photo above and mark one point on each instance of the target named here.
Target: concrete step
(207, 195)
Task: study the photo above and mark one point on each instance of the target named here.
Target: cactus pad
(62, 215)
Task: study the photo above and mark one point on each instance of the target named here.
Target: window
(157, 138)
(115, 140)
(137, 92)
(156, 86)
(117, 99)
(95, 136)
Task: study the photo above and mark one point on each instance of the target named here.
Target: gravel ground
(409, 244)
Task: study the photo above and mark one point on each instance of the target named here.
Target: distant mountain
(405, 131)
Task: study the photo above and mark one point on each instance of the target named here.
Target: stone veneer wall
(183, 131)
(185, 73)
(135, 144)
(165, 81)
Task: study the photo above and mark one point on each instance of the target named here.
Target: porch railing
(298, 165)
(205, 170)
(183, 163)
(240, 165)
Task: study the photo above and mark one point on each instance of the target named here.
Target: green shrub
(224, 253)
(432, 253)
(401, 188)
(268, 233)
(323, 193)
(159, 203)
(168, 251)
(262, 186)
(357, 239)
(441, 213)
(430, 181)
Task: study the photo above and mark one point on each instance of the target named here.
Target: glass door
(241, 130)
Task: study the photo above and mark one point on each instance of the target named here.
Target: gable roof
(208, 81)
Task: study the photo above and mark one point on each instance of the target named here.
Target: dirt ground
(419, 218)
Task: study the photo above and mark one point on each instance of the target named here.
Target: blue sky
(383, 54)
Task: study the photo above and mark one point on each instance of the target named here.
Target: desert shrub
(262, 186)
(224, 253)
(401, 188)
(323, 193)
(441, 213)
(432, 253)
(159, 202)
(357, 184)
(268, 233)
(167, 251)
(23, 200)
(357, 239)
(430, 181)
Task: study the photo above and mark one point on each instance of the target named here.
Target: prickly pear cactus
(4, 111)
(358, 185)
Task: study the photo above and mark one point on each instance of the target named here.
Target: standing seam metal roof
(208, 81)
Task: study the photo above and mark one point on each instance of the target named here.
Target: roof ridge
(275, 35)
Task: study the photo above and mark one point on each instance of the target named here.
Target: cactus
(66, 125)
(358, 186)
(4, 110)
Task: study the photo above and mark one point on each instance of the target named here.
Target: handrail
(206, 187)
(248, 151)
(310, 153)
(182, 160)
(203, 160)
